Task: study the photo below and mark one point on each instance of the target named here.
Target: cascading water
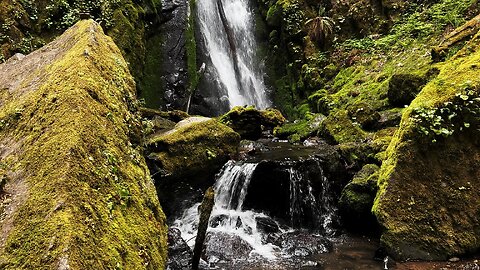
(227, 30)
(229, 217)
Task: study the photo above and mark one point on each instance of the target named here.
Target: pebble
(454, 259)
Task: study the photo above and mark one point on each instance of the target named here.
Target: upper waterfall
(227, 34)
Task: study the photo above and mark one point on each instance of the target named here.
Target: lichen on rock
(82, 197)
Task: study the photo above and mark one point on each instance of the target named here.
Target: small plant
(463, 112)
(320, 28)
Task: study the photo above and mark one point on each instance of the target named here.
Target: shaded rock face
(81, 193)
(357, 198)
(403, 88)
(173, 55)
(185, 159)
(275, 185)
(428, 201)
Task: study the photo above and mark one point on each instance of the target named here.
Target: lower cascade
(248, 226)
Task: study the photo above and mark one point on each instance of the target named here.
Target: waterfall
(229, 217)
(227, 32)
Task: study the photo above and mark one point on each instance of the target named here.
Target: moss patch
(88, 202)
(195, 145)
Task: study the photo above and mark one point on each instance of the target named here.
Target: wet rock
(266, 225)
(284, 179)
(250, 122)
(302, 244)
(218, 220)
(172, 58)
(226, 247)
(250, 148)
(179, 253)
(403, 88)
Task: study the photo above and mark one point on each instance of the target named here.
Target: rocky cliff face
(78, 194)
(429, 200)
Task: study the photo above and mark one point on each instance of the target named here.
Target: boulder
(250, 122)
(301, 129)
(428, 201)
(186, 159)
(179, 253)
(195, 145)
(225, 247)
(81, 196)
(357, 198)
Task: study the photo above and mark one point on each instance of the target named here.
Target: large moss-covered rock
(79, 193)
(429, 197)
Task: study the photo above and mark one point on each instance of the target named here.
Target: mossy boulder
(250, 122)
(196, 144)
(429, 192)
(403, 88)
(81, 193)
(357, 198)
(363, 114)
(186, 159)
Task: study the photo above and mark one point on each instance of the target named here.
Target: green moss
(191, 46)
(89, 201)
(27, 25)
(151, 80)
(194, 146)
(442, 186)
(339, 128)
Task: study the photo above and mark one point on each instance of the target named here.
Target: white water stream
(229, 217)
(230, 189)
(247, 86)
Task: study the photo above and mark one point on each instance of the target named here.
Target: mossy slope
(87, 200)
(428, 201)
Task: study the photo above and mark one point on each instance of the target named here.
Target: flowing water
(233, 223)
(231, 48)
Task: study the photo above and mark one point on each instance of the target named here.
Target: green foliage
(293, 17)
(421, 24)
(320, 29)
(462, 112)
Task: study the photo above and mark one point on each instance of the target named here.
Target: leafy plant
(320, 28)
(461, 113)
